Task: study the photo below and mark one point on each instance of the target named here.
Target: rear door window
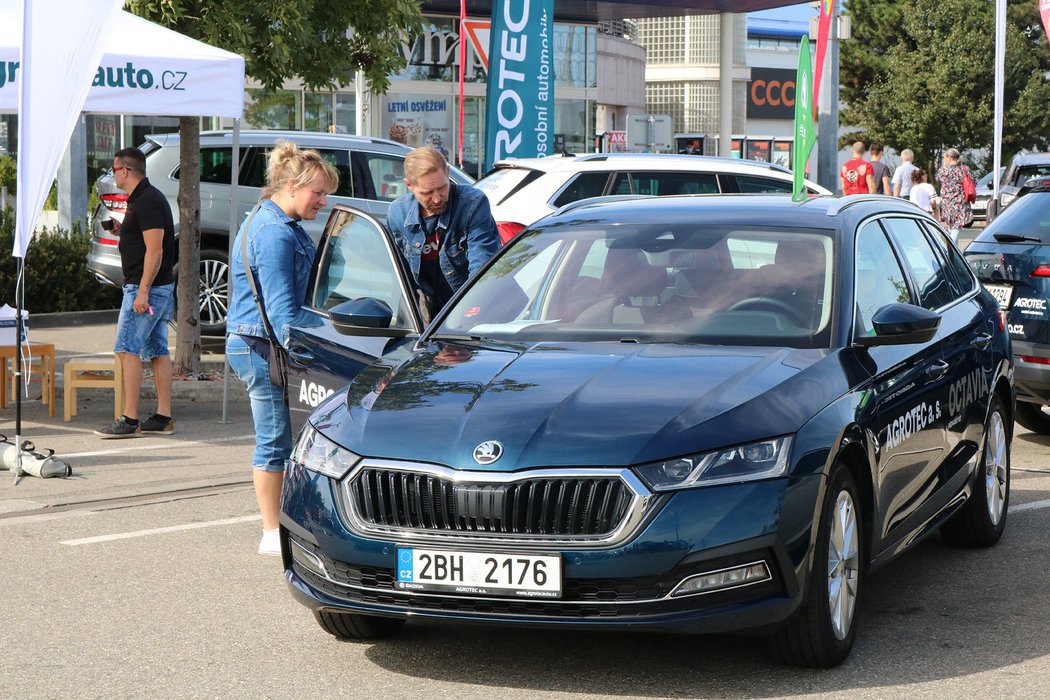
(383, 176)
(216, 166)
(658, 184)
(340, 159)
(1028, 216)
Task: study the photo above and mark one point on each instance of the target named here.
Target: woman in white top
(922, 193)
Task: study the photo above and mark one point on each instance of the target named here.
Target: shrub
(8, 174)
(56, 274)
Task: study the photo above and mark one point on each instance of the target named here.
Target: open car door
(358, 276)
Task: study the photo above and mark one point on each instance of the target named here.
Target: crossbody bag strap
(251, 277)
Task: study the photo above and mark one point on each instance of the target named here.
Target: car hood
(580, 404)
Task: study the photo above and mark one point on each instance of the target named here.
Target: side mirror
(901, 324)
(364, 316)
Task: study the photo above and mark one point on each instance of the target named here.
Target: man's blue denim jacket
(280, 254)
(467, 232)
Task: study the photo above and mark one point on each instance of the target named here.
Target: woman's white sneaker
(270, 544)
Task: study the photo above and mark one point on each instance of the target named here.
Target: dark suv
(1024, 167)
(371, 174)
(1012, 258)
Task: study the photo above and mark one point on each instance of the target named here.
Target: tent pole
(18, 366)
(234, 177)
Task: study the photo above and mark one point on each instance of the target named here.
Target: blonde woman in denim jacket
(280, 254)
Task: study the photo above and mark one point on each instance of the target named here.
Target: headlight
(319, 454)
(756, 460)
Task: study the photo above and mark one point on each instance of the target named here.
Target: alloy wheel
(214, 292)
(995, 468)
(843, 564)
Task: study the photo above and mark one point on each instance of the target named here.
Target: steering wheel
(773, 304)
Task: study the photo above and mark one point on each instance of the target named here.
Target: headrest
(800, 254)
(629, 273)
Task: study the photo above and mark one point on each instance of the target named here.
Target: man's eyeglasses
(124, 168)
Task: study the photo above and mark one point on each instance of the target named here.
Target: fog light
(307, 559)
(723, 579)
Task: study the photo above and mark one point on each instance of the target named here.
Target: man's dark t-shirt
(880, 170)
(147, 209)
(431, 278)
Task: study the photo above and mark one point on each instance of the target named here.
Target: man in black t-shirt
(147, 257)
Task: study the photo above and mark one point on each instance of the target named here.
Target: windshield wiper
(1014, 238)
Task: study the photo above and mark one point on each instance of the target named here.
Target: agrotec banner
(519, 102)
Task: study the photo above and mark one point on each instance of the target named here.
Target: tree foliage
(281, 39)
(920, 75)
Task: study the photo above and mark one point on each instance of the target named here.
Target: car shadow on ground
(939, 612)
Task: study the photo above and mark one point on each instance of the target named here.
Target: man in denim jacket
(444, 230)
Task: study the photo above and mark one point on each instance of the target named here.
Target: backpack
(969, 189)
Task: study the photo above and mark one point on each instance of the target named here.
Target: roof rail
(849, 200)
(579, 203)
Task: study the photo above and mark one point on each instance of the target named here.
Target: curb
(73, 318)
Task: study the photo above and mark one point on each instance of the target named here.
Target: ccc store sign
(771, 94)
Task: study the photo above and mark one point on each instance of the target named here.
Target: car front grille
(561, 506)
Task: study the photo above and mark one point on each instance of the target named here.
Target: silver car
(371, 173)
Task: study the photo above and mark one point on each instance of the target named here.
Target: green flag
(805, 128)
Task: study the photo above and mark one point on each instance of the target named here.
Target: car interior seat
(628, 292)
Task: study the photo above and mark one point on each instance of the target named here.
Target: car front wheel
(1033, 417)
(357, 627)
(821, 635)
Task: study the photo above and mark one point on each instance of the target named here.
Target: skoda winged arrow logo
(488, 452)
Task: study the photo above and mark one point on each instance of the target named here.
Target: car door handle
(301, 355)
(937, 369)
(981, 341)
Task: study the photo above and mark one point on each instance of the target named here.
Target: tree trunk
(188, 333)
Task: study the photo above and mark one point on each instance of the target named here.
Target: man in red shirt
(856, 175)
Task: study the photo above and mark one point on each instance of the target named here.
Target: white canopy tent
(54, 52)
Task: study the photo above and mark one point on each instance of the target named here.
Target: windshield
(688, 283)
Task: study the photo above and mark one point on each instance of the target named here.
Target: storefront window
(433, 54)
(570, 55)
(329, 111)
(473, 137)
(571, 125)
(265, 109)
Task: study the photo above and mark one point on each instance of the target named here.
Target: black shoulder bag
(278, 359)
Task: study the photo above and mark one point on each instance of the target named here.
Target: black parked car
(1012, 258)
(699, 414)
(1024, 167)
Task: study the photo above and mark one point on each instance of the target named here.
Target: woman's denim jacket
(280, 254)
(466, 229)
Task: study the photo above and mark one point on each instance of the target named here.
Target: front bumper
(327, 566)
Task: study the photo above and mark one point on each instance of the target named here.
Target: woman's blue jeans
(273, 425)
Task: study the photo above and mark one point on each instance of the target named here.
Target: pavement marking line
(160, 530)
(168, 445)
(1034, 505)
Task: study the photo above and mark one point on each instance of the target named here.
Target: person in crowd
(279, 254)
(856, 174)
(955, 210)
(901, 180)
(922, 193)
(147, 258)
(879, 170)
(444, 230)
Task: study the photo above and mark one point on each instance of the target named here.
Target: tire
(822, 632)
(980, 522)
(1032, 416)
(214, 291)
(357, 627)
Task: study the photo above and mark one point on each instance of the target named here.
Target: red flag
(823, 30)
(1044, 12)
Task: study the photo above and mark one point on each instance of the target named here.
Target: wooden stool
(45, 352)
(80, 374)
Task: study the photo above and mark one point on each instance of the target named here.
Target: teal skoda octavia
(698, 414)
